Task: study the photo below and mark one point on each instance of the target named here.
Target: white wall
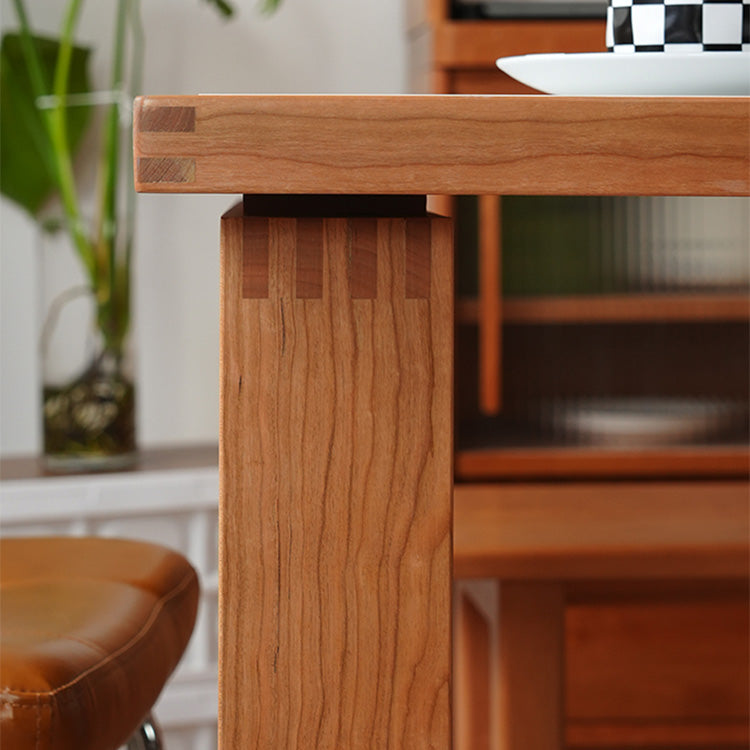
(309, 46)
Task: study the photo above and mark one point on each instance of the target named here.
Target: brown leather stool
(90, 630)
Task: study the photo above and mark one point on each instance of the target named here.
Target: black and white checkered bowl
(678, 26)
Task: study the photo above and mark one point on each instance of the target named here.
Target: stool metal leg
(148, 736)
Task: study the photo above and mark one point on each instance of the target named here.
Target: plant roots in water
(90, 423)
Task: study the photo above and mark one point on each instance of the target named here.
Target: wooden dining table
(336, 435)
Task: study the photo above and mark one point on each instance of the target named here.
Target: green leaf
(225, 8)
(27, 175)
(270, 6)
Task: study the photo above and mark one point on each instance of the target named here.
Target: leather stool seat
(90, 630)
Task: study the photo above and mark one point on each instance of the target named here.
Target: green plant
(46, 107)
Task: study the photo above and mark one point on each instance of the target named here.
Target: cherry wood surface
(444, 144)
(667, 735)
(335, 462)
(336, 556)
(490, 313)
(610, 308)
(591, 462)
(530, 666)
(470, 81)
(611, 531)
(648, 662)
(474, 44)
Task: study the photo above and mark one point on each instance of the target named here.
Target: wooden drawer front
(657, 675)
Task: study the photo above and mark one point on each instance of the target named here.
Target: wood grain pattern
(531, 712)
(255, 238)
(418, 259)
(166, 170)
(335, 517)
(490, 305)
(363, 258)
(156, 119)
(526, 145)
(596, 531)
(309, 272)
(335, 458)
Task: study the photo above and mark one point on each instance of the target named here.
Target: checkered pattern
(678, 25)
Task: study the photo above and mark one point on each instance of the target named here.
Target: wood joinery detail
(255, 237)
(309, 267)
(158, 119)
(336, 502)
(165, 169)
(358, 237)
(363, 259)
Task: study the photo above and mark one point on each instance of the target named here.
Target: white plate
(630, 422)
(637, 74)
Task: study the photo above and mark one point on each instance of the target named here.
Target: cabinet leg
(473, 647)
(531, 666)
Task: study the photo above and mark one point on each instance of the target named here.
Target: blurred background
(332, 46)
(604, 353)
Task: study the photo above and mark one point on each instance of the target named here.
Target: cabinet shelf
(476, 44)
(616, 308)
(581, 461)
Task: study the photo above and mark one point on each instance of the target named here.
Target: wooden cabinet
(580, 363)
(569, 325)
(649, 662)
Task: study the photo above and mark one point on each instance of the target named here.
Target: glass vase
(88, 390)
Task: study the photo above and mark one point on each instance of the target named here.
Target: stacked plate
(642, 74)
(642, 422)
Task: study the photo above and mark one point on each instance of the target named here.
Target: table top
(430, 144)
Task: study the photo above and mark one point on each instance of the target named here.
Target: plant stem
(136, 77)
(55, 122)
(59, 137)
(111, 145)
(36, 73)
(106, 234)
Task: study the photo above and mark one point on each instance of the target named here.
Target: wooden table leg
(474, 646)
(531, 666)
(335, 521)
